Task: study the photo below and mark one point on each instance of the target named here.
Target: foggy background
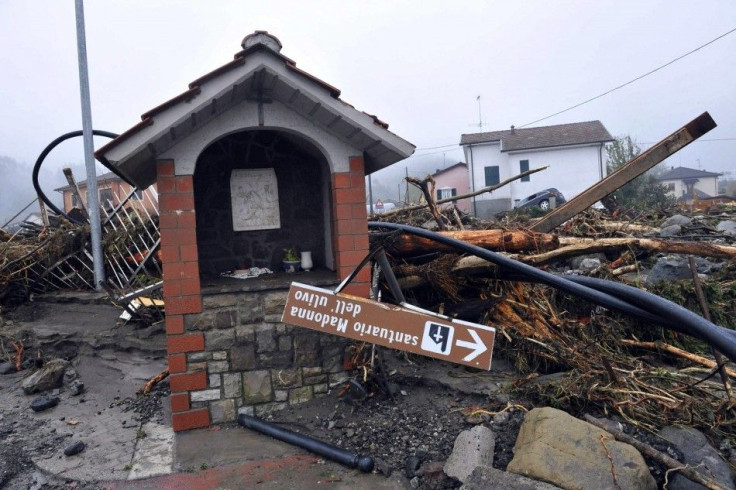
(418, 65)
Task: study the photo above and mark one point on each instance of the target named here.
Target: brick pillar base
(350, 226)
(182, 295)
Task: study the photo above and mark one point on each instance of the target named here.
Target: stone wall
(301, 179)
(251, 360)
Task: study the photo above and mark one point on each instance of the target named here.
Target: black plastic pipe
(45, 153)
(342, 456)
(610, 294)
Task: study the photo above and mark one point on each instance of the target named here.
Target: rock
(727, 227)
(673, 267)
(472, 448)
(74, 448)
(414, 482)
(76, 388)
(588, 264)
(677, 219)
(484, 477)
(44, 403)
(7, 368)
(382, 467)
(555, 447)
(48, 377)
(412, 465)
(672, 230)
(577, 262)
(70, 375)
(697, 450)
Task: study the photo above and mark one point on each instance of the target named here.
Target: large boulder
(727, 227)
(699, 454)
(50, 376)
(555, 447)
(673, 267)
(677, 219)
(472, 448)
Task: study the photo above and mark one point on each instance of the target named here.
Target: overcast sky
(418, 65)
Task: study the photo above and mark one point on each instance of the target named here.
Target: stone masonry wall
(253, 360)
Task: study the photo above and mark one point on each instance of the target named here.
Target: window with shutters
(106, 197)
(524, 167)
(493, 175)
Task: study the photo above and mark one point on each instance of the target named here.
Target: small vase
(307, 261)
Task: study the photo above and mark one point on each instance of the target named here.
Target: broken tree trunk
(571, 247)
(648, 159)
(427, 188)
(498, 240)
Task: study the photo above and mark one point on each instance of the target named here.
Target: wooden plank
(646, 160)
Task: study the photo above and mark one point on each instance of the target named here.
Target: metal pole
(370, 192)
(89, 160)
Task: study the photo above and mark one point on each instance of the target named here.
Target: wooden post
(668, 146)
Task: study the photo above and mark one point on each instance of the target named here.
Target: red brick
(189, 253)
(170, 253)
(174, 324)
(188, 220)
(172, 287)
(343, 211)
(349, 196)
(168, 236)
(184, 305)
(184, 184)
(192, 342)
(361, 289)
(167, 220)
(182, 270)
(166, 185)
(177, 202)
(341, 180)
(349, 257)
(357, 180)
(178, 364)
(190, 287)
(192, 419)
(364, 274)
(179, 402)
(345, 242)
(356, 164)
(361, 242)
(358, 211)
(185, 236)
(188, 381)
(165, 167)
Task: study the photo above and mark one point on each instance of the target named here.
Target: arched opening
(302, 218)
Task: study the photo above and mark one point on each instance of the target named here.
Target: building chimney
(513, 129)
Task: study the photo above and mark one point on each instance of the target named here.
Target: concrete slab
(154, 453)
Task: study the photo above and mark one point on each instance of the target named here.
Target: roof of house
(107, 176)
(688, 196)
(680, 173)
(447, 169)
(581, 133)
(247, 77)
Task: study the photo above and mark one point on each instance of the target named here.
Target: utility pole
(89, 159)
(480, 117)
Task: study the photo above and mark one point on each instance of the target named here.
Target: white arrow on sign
(477, 345)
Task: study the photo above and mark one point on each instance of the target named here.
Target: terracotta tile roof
(680, 173)
(542, 137)
(107, 176)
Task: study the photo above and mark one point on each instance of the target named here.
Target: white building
(683, 182)
(574, 154)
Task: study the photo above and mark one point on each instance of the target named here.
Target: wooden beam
(668, 146)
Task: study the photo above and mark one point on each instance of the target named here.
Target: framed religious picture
(255, 199)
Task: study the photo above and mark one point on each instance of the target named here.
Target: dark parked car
(541, 199)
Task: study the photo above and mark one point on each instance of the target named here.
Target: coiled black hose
(45, 153)
(620, 297)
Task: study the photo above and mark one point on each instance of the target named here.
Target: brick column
(182, 296)
(350, 226)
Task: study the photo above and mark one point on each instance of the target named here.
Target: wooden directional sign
(390, 326)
